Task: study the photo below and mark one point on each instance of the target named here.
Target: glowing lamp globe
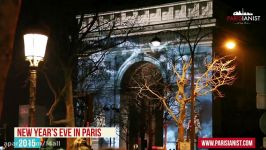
(35, 45)
(156, 41)
(230, 45)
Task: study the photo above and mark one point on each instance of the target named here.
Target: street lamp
(156, 41)
(111, 108)
(230, 44)
(35, 45)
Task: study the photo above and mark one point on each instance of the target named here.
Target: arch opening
(141, 111)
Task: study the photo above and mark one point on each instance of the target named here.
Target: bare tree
(191, 32)
(79, 44)
(218, 72)
(194, 34)
(9, 14)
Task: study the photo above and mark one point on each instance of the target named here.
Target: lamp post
(111, 108)
(35, 45)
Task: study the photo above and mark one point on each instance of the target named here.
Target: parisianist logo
(241, 17)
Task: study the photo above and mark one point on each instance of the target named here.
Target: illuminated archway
(142, 116)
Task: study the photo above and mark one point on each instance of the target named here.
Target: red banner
(226, 143)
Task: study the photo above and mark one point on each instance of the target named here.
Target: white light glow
(35, 45)
(156, 43)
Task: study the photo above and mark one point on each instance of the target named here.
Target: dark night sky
(45, 11)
